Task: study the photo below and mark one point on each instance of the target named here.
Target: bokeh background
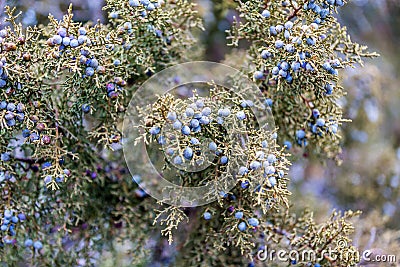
(369, 178)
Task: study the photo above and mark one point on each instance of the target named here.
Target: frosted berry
(194, 123)
(266, 54)
(207, 216)
(14, 219)
(270, 170)
(240, 115)
(134, 3)
(288, 144)
(28, 243)
(266, 14)
(242, 226)
(150, 7)
(66, 41)
(300, 134)
(74, 43)
(212, 146)
(170, 151)
(258, 75)
(62, 32)
(89, 71)
(272, 180)
(224, 112)
(178, 160)
(94, 63)
(38, 245)
(279, 28)
(272, 30)
(271, 158)
(188, 153)
(86, 108)
(329, 88)
(268, 102)
(288, 25)
(171, 116)
(20, 107)
(239, 215)
(194, 141)
(224, 159)
(320, 122)
(254, 165)
(114, 15)
(253, 222)
(154, 130)
(243, 170)
(161, 140)
(11, 107)
(177, 125)
(311, 41)
(11, 123)
(185, 130)
(204, 120)
(206, 111)
(189, 112)
(315, 113)
(3, 104)
(279, 44)
(199, 103)
(5, 156)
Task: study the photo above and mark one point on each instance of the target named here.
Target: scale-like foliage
(66, 192)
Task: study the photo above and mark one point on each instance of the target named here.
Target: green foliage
(66, 172)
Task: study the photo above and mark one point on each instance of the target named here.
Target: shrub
(67, 192)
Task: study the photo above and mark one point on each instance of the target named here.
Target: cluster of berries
(301, 138)
(13, 112)
(146, 4)
(330, 66)
(91, 63)
(285, 69)
(6, 176)
(242, 226)
(59, 179)
(37, 244)
(189, 124)
(9, 224)
(115, 88)
(37, 135)
(3, 73)
(323, 10)
(264, 163)
(320, 126)
(65, 41)
(317, 127)
(149, 6)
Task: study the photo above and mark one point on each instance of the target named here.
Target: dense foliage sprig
(296, 51)
(64, 89)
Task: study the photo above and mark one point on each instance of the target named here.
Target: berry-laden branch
(66, 86)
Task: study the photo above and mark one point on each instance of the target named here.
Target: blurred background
(369, 178)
